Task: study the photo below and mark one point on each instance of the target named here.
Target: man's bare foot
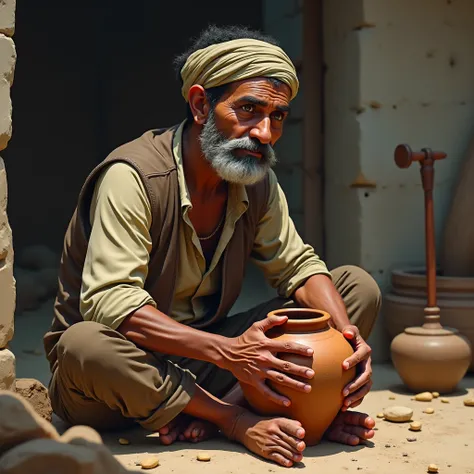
(173, 430)
(351, 427)
(276, 439)
(198, 430)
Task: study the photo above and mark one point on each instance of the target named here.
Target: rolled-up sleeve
(279, 251)
(116, 263)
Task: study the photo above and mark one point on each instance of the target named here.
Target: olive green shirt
(115, 268)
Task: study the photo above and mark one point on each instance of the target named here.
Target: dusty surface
(446, 438)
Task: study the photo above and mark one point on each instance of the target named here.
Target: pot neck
(302, 320)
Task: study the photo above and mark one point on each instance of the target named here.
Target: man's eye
(248, 108)
(278, 116)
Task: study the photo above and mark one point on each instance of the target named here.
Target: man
(155, 255)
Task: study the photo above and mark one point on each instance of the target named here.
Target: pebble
(429, 411)
(150, 463)
(380, 415)
(123, 441)
(435, 394)
(388, 446)
(444, 400)
(405, 454)
(432, 468)
(398, 414)
(203, 456)
(424, 397)
(411, 439)
(391, 398)
(469, 402)
(415, 426)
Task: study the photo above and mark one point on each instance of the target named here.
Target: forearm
(155, 331)
(319, 292)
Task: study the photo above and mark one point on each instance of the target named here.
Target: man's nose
(262, 131)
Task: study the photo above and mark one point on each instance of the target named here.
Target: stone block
(7, 58)
(5, 113)
(7, 283)
(37, 395)
(7, 372)
(7, 17)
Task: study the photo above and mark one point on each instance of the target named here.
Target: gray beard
(246, 169)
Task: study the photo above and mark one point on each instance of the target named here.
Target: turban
(237, 60)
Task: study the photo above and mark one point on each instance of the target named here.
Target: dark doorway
(89, 78)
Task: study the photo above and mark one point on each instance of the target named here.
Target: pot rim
(319, 321)
(420, 272)
(415, 278)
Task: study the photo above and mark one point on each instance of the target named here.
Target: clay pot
(317, 409)
(405, 303)
(432, 360)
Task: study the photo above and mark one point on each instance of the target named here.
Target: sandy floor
(446, 439)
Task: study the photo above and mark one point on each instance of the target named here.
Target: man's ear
(198, 104)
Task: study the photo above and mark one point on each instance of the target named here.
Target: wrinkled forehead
(262, 88)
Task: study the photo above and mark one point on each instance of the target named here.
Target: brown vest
(152, 157)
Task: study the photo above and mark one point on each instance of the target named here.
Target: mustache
(250, 144)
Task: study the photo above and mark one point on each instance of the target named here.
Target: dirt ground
(446, 438)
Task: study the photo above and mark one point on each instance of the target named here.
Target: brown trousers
(105, 381)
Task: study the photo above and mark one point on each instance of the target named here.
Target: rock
(435, 394)
(411, 439)
(469, 402)
(123, 441)
(203, 456)
(424, 397)
(37, 395)
(83, 433)
(37, 257)
(398, 414)
(415, 426)
(432, 468)
(150, 462)
(380, 415)
(45, 456)
(7, 370)
(444, 400)
(428, 410)
(20, 423)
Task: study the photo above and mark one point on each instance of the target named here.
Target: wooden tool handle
(404, 157)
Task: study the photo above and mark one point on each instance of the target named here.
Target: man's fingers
(359, 395)
(267, 323)
(293, 347)
(293, 369)
(268, 393)
(286, 381)
(362, 353)
(359, 381)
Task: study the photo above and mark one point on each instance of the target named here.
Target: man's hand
(355, 391)
(251, 357)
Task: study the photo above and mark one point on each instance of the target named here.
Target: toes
(295, 443)
(291, 427)
(359, 431)
(358, 419)
(281, 459)
(342, 437)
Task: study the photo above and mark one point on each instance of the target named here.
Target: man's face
(240, 132)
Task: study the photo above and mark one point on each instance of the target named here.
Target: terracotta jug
(317, 409)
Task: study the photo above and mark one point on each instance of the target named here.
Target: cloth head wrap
(237, 60)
